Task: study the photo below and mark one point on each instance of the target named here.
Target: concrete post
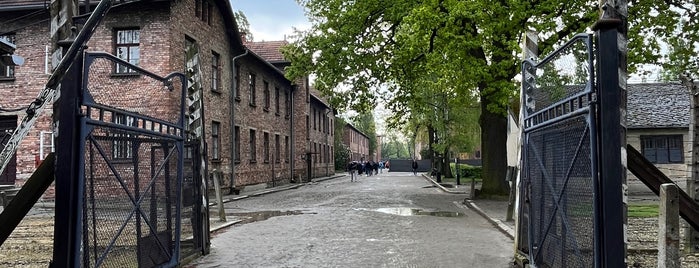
(669, 223)
(692, 235)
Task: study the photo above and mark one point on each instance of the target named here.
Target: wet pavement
(389, 220)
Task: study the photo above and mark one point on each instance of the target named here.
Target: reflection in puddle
(249, 217)
(418, 212)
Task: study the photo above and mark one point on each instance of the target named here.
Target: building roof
(657, 105)
(24, 4)
(348, 125)
(269, 50)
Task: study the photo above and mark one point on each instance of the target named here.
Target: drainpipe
(231, 102)
(291, 131)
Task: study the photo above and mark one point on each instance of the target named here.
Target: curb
(276, 189)
(504, 228)
(442, 187)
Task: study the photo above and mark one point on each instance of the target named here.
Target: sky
(272, 20)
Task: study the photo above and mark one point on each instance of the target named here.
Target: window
(197, 8)
(253, 147)
(276, 100)
(251, 83)
(215, 72)
(237, 83)
(266, 147)
(266, 95)
(215, 140)
(122, 146)
(277, 149)
(7, 72)
(237, 144)
(46, 144)
(663, 149)
(314, 119)
(127, 49)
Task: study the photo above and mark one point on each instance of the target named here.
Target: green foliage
(430, 59)
(467, 171)
(643, 211)
(243, 24)
(342, 152)
(393, 148)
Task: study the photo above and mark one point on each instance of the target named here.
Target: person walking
(381, 166)
(352, 169)
(414, 167)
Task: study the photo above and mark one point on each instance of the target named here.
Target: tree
(470, 47)
(243, 24)
(342, 151)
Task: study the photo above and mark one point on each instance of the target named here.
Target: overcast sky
(272, 20)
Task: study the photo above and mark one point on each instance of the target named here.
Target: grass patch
(643, 211)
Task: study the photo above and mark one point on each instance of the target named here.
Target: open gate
(138, 204)
(559, 174)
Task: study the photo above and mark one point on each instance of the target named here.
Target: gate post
(610, 246)
(669, 227)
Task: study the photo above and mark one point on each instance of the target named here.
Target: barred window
(122, 145)
(253, 146)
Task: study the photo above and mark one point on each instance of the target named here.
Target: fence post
(610, 35)
(692, 235)
(669, 223)
(219, 197)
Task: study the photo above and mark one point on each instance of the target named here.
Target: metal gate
(131, 161)
(559, 172)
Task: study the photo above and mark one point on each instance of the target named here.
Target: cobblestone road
(395, 220)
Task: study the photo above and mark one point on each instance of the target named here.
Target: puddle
(249, 217)
(418, 212)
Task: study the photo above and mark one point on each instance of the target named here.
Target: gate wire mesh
(559, 173)
(132, 162)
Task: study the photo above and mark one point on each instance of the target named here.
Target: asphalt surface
(387, 220)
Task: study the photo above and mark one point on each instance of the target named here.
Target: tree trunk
(446, 169)
(493, 151)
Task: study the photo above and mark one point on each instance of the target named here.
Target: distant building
(313, 119)
(357, 142)
(658, 116)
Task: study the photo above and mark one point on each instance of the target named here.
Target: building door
(7, 126)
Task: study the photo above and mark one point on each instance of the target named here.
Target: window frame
(7, 72)
(215, 141)
(266, 95)
(663, 149)
(276, 101)
(265, 142)
(253, 146)
(215, 72)
(252, 100)
(137, 45)
(236, 141)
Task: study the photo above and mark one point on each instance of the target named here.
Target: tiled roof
(269, 50)
(24, 3)
(659, 105)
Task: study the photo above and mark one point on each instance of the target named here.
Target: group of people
(366, 167)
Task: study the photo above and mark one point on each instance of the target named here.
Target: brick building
(357, 142)
(254, 130)
(312, 119)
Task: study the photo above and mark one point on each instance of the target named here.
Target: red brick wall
(248, 117)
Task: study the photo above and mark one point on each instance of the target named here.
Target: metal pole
(610, 247)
